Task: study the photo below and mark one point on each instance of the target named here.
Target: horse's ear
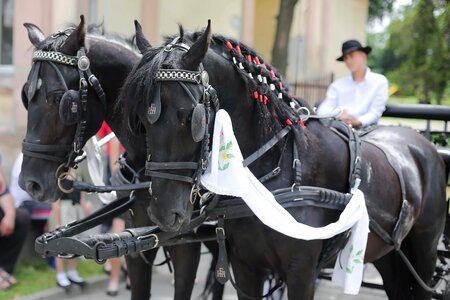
(76, 39)
(141, 41)
(34, 34)
(193, 58)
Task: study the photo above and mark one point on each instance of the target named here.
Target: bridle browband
(81, 62)
(202, 113)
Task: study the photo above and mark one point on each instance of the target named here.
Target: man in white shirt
(362, 95)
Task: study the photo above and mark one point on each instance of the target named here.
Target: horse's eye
(55, 96)
(184, 116)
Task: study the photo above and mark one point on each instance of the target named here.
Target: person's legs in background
(72, 273)
(10, 247)
(61, 276)
(64, 212)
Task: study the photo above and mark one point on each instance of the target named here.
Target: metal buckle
(194, 193)
(91, 77)
(75, 147)
(83, 83)
(204, 164)
(221, 230)
(276, 171)
(294, 185)
(149, 236)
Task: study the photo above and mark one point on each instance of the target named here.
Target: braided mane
(265, 84)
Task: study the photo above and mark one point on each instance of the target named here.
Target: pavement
(162, 287)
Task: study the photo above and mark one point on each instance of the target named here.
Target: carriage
(313, 165)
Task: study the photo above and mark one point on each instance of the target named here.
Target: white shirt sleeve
(377, 105)
(331, 101)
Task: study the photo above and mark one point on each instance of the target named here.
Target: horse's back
(409, 152)
(418, 165)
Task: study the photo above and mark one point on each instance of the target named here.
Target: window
(6, 30)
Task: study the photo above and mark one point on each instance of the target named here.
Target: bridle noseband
(201, 121)
(73, 105)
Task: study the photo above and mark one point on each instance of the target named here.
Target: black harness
(72, 106)
(136, 240)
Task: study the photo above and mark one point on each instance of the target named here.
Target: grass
(34, 275)
(412, 100)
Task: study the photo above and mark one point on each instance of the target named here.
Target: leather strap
(150, 165)
(98, 217)
(175, 177)
(297, 166)
(40, 150)
(90, 188)
(222, 268)
(267, 146)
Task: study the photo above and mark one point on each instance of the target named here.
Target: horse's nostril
(33, 187)
(178, 218)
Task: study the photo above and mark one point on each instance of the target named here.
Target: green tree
(441, 65)
(378, 8)
(416, 55)
(425, 48)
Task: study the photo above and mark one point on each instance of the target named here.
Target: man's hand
(344, 116)
(7, 225)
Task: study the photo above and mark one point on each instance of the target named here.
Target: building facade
(319, 27)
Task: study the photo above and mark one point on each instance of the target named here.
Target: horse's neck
(111, 74)
(324, 157)
(111, 62)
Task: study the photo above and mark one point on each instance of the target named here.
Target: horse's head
(175, 107)
(55, 96)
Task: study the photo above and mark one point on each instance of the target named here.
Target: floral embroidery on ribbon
(354, 259)
(224, 153)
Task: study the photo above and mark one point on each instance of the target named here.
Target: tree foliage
(378, 8)
(416, 55)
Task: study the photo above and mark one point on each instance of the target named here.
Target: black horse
(111, 59)
(163, 92)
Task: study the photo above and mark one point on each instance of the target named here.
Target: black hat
(352, 45)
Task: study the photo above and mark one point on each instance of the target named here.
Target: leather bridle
(209, 96)
(66, 153)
